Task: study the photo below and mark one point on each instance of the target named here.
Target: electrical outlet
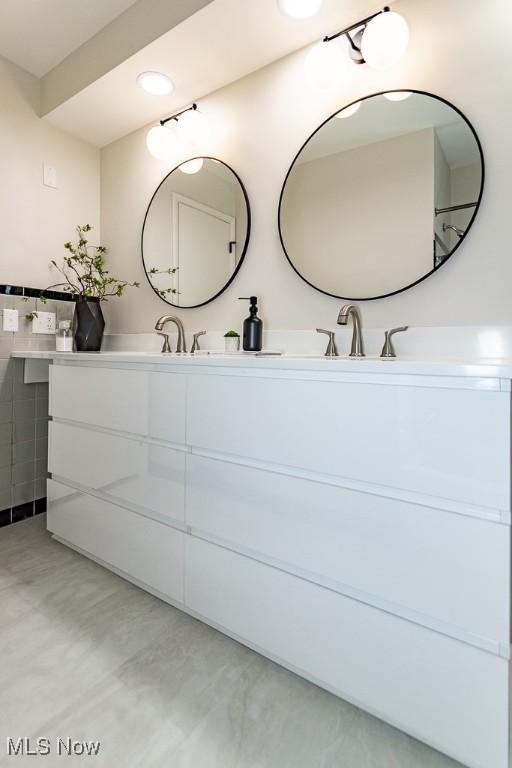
(10, 320)
(44, 322)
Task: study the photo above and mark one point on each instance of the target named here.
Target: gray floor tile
(90, 656)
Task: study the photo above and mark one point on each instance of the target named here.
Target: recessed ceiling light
(299, 9)
(155, 83)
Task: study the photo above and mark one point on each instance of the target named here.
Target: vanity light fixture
(192, 129)
(192, 166)
(299, 9)
(349, 111)
(324, 64)
(385, 40)
(379, 40)
(397, 95)
(161, 142)
(155, 83)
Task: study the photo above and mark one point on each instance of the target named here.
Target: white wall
(35, 221)
(259, 124)
(442, 197)
(464, 182)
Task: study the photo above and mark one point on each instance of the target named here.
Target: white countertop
(481, 367)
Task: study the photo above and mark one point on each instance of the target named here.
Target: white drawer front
(140, 402)
(148, 476)
(448, 443)
(167, 412)
(420, 559)
(446, 693)
(146, 550)
(110, 398)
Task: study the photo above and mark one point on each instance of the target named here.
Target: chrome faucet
(388, 349)
(350, 310)
(181, 345)
(331, 350)
(195, 343)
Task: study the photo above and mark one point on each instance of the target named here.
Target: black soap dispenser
(253, 327)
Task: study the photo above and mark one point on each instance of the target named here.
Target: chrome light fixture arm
(178, 114)
(378, 40)
(352, 27)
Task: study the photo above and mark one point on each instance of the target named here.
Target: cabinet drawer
(144, 549)
(446, 693)
(443, 566)
(140, 402)
(147, 476)
(105, 397)
(448, 443)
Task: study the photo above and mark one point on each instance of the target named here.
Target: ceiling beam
(135, 28)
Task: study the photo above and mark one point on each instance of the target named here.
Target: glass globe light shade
(161, 142)
(192, 166)
(324, 64)
(299, 9)
(349, 111)
(193, 128)
(397, 95)
(385, 40)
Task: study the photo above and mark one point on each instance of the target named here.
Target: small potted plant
(87, 279)
(231, 341)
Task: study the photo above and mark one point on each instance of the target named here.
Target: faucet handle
(388, 349)
(195, 343)
(166, 346)
(331, 350)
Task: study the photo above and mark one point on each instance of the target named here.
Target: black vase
(88, 325)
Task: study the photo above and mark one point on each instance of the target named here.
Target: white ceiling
(379, 119)
(38, 34)
(217, 45)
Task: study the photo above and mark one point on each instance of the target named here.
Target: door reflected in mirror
(195, 232)
(381, 195)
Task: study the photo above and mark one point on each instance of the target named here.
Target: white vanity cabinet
(354, 526)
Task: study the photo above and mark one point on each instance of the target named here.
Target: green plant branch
(84, 270)
(163, 292)
(68, 261)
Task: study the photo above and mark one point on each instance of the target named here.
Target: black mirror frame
(457, 245)
(247, 236)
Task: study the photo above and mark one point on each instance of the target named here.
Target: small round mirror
(381, 195)
(195, 232)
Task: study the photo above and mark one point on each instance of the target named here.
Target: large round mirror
(381, 195)
(195, 232)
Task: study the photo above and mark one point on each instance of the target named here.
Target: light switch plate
(44, 322)
(49, 176)
(10, 320)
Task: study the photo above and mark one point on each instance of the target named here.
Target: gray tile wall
(23, 415)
